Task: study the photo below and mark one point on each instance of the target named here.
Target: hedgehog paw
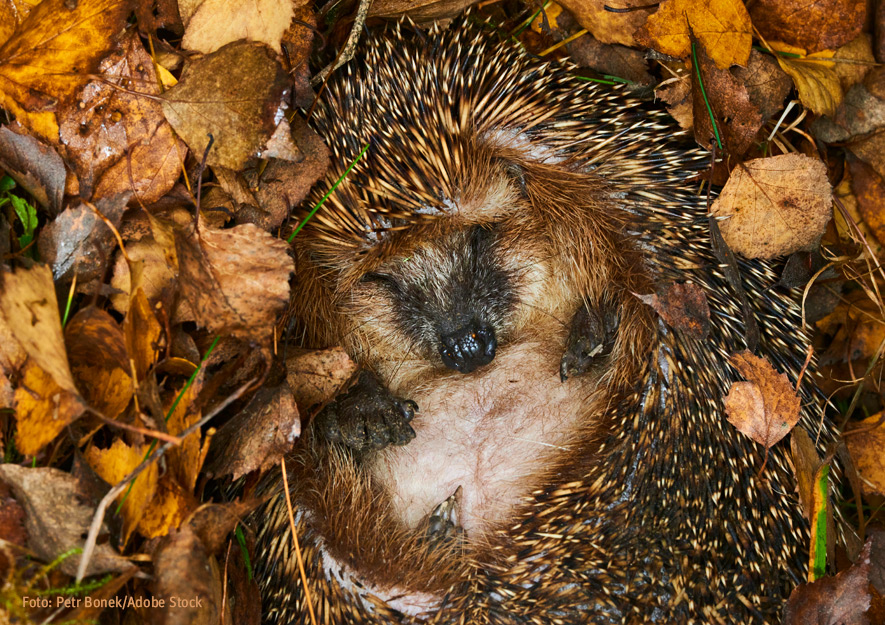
(592, 337)
(367, 416)
(443, 525)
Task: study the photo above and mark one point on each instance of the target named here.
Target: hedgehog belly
(491, 433)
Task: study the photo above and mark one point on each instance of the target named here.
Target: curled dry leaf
(46, 60)
(259, 436)
(683, 307)
(766, 407)
(115, 132)
(35, 166)
(56, 519)
(115, 463)
(235, 94)
(840, 600)
(608, 26)
(775, 205)
(814, 26)
(723, 26)
(867, 450)
(236, 280)
(215, 23)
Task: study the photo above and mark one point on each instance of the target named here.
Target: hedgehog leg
(443, 525)
(367, 416)
(592, 336)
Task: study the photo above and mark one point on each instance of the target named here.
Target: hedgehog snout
(469, 347)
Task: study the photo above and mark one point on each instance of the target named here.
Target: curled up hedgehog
(526, 441)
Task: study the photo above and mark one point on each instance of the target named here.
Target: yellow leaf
(115, 463)
(42, 409)
(723, 26)
(142, 332)
(186, 459)
(818, 85)
(169, 507)
(51, 56)
(551, 12)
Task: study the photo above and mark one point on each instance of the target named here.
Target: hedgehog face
(451, 296)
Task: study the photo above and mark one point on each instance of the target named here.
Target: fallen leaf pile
(151, 156)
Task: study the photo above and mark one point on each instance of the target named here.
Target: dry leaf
(43, 409)
(186, 459)
(51, 56)
(737, 118)
(169, 508)
(806, 463)
(213, 522)
(607, 26)
(869, 189)
(36, 167)
(259, 436)
(419, 10)
(316, 376)
(215, 23)
(775, 205)
(235, 94)
(142, 333)
(56, 518)
(867, 450)
(115, 463)
(814, 26)
(723, 26)
(766, 83)
(118, 138)
(236, 280)
(676, 92)
(683, 307)
(818, 85)
(766, 407)
(857, 57)
(79, 242)
(183, 569)
(840, 600)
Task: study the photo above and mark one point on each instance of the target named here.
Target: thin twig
(307, 599)
(98, 518)
(349, 46)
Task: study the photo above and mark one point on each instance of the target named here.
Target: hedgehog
(525, 440)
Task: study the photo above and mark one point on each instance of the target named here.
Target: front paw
(592, 337)
(367, 416)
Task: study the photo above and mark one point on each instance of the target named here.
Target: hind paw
(592, 337)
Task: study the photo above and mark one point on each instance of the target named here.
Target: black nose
(468, 348)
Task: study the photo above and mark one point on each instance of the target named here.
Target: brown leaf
(259, 436)
(419, 10)
(723, 26)
(737, 118)
(611, 59)
(35, 166)
(766, 407)
(214, 23)
(43, 409)
(767, 84)
(118, 139)
(79, 242)
(806, 462)
(115, 463)
(50, 56)
(282, 185)
(183, 571)
(676, 92)
(234, 94)
(142, 333)
(213, 522)
(867, 451)
(607, 26)
(869, 189)
(316, 376)
(857, 60)
(775, 205)
(840, 600)
(683, 307)
(56, 518)
(12, 519)
(236, 280)
(814, 26)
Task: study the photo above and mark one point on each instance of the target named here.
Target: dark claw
(591, 338)
(367, 416)
(468, 348)
(443, 524)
